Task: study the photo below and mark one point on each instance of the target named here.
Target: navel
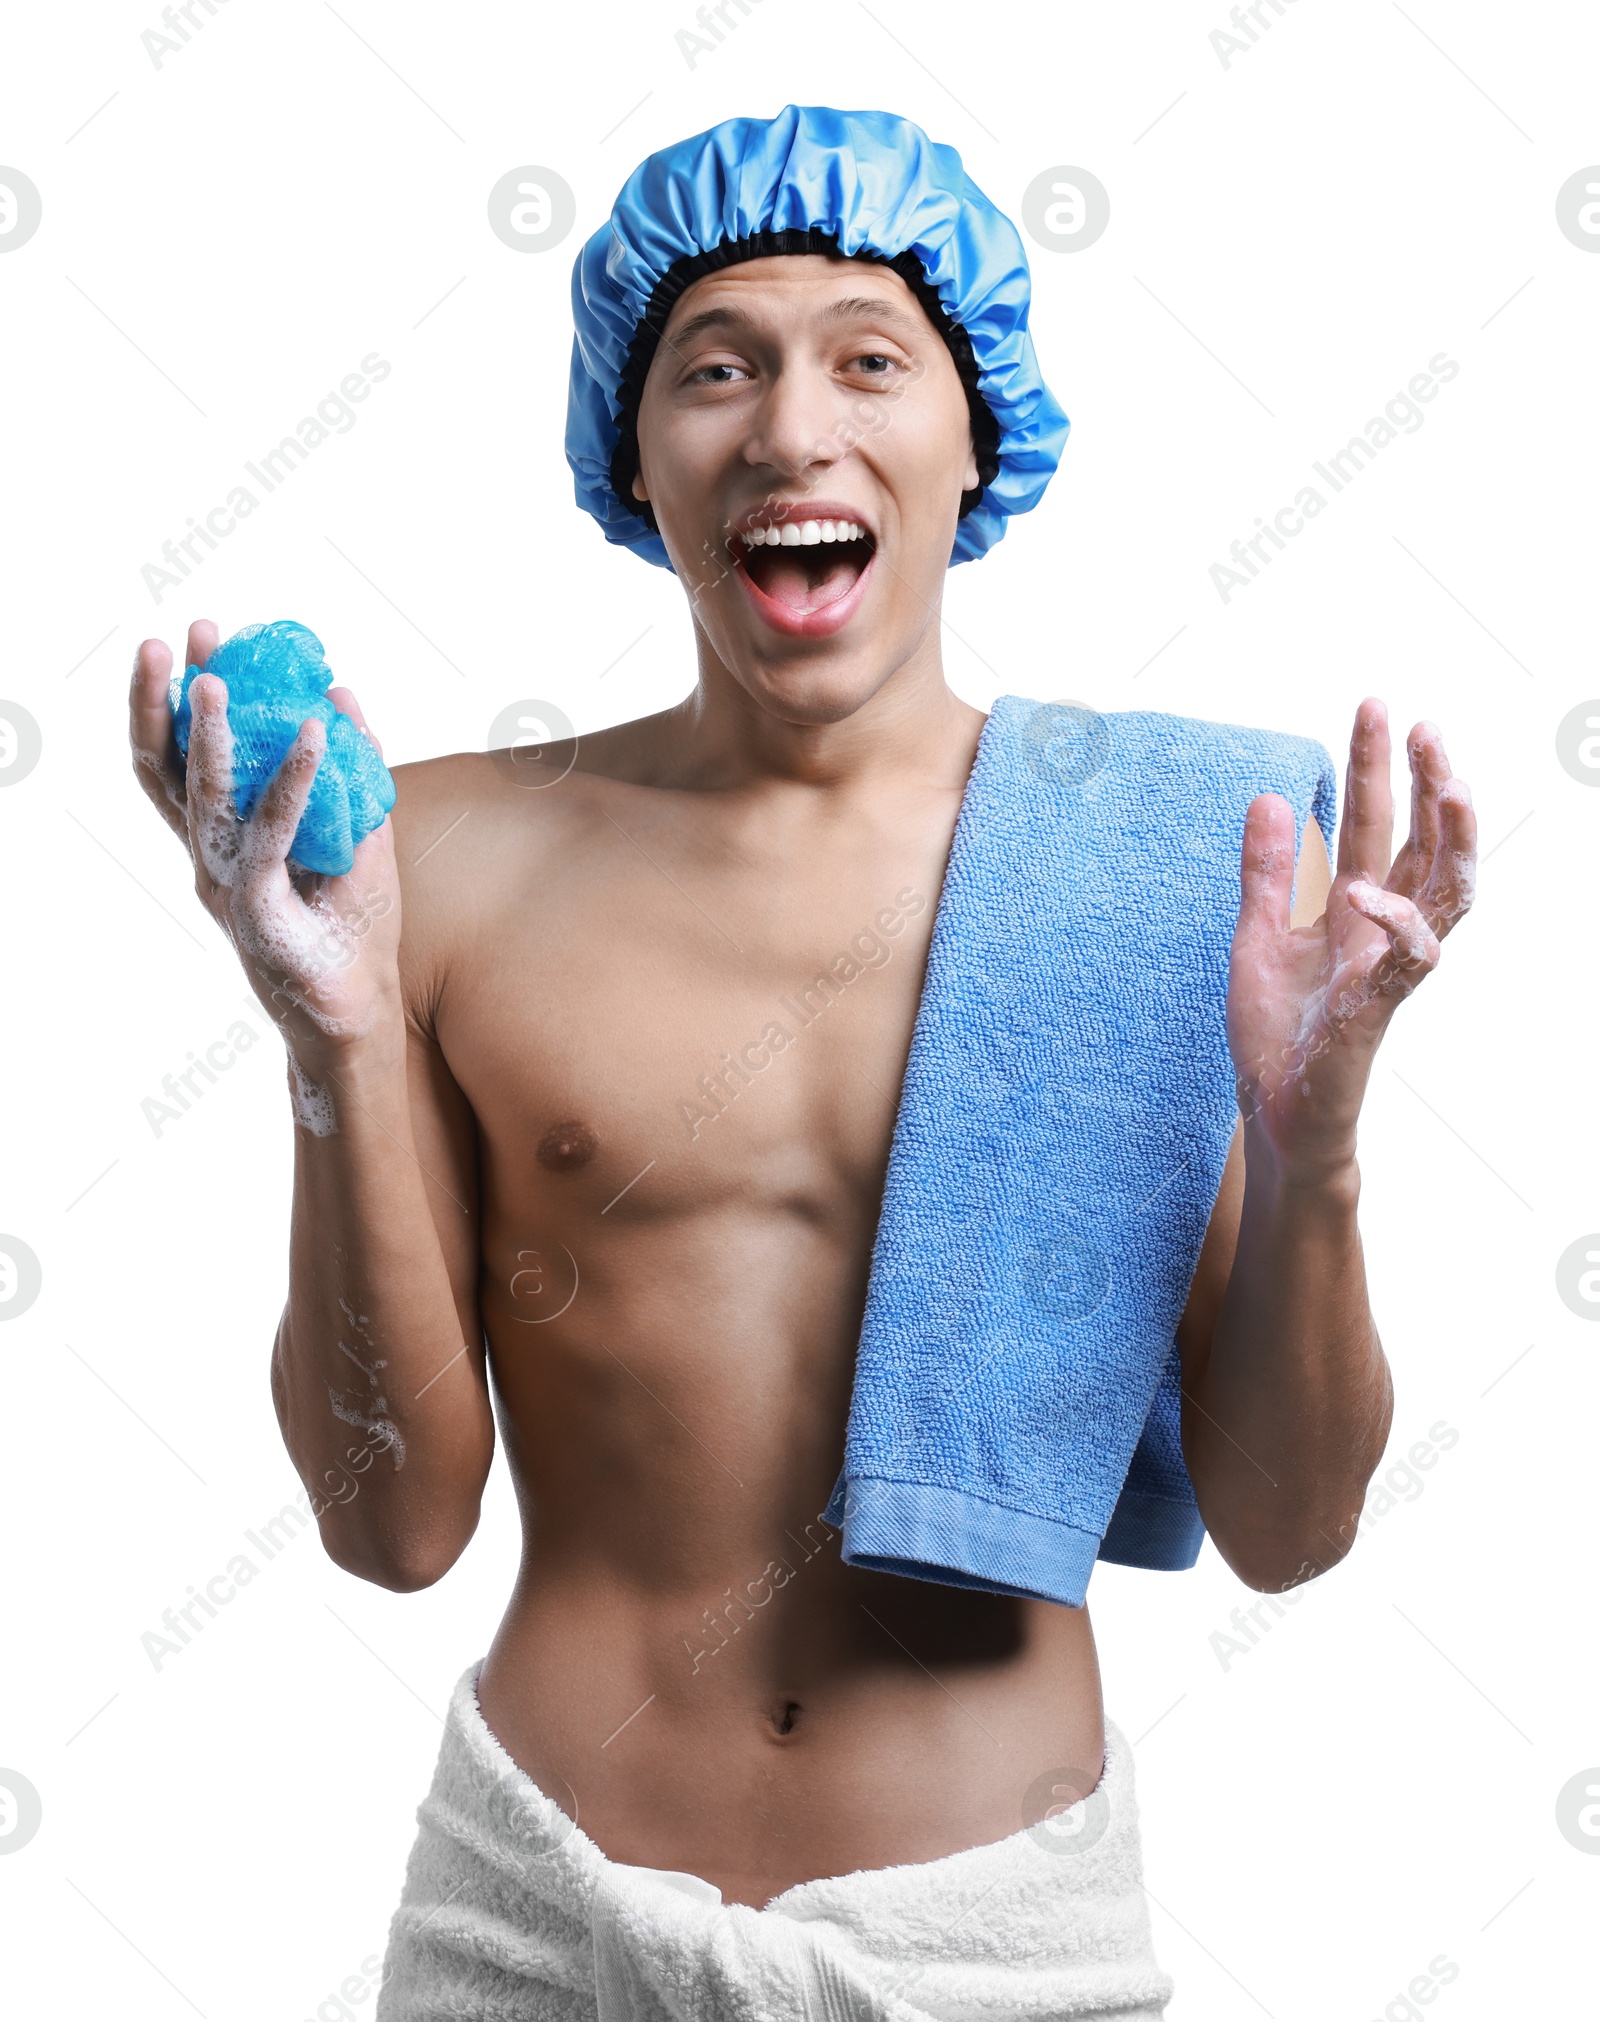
(567, 1146)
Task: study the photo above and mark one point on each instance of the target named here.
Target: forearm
(370, 1356)
(1283, 1427)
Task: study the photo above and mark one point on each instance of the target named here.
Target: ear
(969, 481)
(637, 488)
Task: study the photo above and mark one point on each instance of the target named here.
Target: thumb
(1266, 868)
(345, 702)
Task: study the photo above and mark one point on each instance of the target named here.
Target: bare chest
(672, 1030)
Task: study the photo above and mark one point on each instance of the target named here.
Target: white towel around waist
(511, 1913)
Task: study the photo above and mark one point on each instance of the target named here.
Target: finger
(157, 762)
(1367, 825)
(1452, 879)
(347, 705)
(1413, 948)
(202, 643)
(1429, 771)
(1266, 869)
(270, 831)
(214, 826)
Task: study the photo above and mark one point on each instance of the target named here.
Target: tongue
(805, 587)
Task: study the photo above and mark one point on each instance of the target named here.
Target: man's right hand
(321, 953)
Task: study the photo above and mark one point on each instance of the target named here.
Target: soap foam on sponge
(277, 678)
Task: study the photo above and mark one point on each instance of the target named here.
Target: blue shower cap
(868, 181)
(277, 679)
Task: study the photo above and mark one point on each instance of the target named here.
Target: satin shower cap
(857, 182)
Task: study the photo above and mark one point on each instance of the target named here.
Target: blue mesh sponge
(277, 678)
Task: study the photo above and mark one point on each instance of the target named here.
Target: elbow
(1278, 1564)
(405, 1575)
(404, 1565)
(1282, 1575)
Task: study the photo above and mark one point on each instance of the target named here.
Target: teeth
(803, 533)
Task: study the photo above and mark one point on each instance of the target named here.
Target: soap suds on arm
(313, 1105)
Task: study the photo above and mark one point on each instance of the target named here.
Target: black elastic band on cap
(761, 246)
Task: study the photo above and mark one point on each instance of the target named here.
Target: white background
(1293, 236)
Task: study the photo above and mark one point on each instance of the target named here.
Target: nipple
(566, 1146)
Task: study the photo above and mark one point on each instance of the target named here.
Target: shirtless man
(539, 963)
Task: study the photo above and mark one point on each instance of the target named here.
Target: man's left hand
(1307, 1006)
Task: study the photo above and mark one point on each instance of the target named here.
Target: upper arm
(444, 1130)
(446, 1139)
(1208, 1287)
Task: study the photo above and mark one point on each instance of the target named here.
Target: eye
(703, 375)
(876, 364)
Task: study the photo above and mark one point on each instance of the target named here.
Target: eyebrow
(872, 308)
(848, 308)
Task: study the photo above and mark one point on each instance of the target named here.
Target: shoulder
(425, 789)
(479, 834)
(524, 797)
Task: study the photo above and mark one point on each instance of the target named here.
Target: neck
(912, 729)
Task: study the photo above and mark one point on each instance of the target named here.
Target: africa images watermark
(1400, 1482)
(692, 47)
(186, 1621)
(1421, 1988)
(334, 949)
(869, 949)
(1402, 415)
(756, 1593)
(354, 1988)
(774, 1576)
(202, 1072)
(1245, 36)
(158, 46)
(335, 414)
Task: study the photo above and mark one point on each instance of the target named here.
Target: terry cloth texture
(511, 1913)
(864, 183)
(1067, 1109)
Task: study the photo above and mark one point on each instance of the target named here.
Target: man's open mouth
(805, 575)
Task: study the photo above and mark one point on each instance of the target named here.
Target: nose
(795, 432)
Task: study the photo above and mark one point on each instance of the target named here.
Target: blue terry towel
(1067, 1109)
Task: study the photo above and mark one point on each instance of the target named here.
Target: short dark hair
(761, 246)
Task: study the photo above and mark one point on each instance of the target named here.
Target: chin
(808, 625)
(814, 687)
